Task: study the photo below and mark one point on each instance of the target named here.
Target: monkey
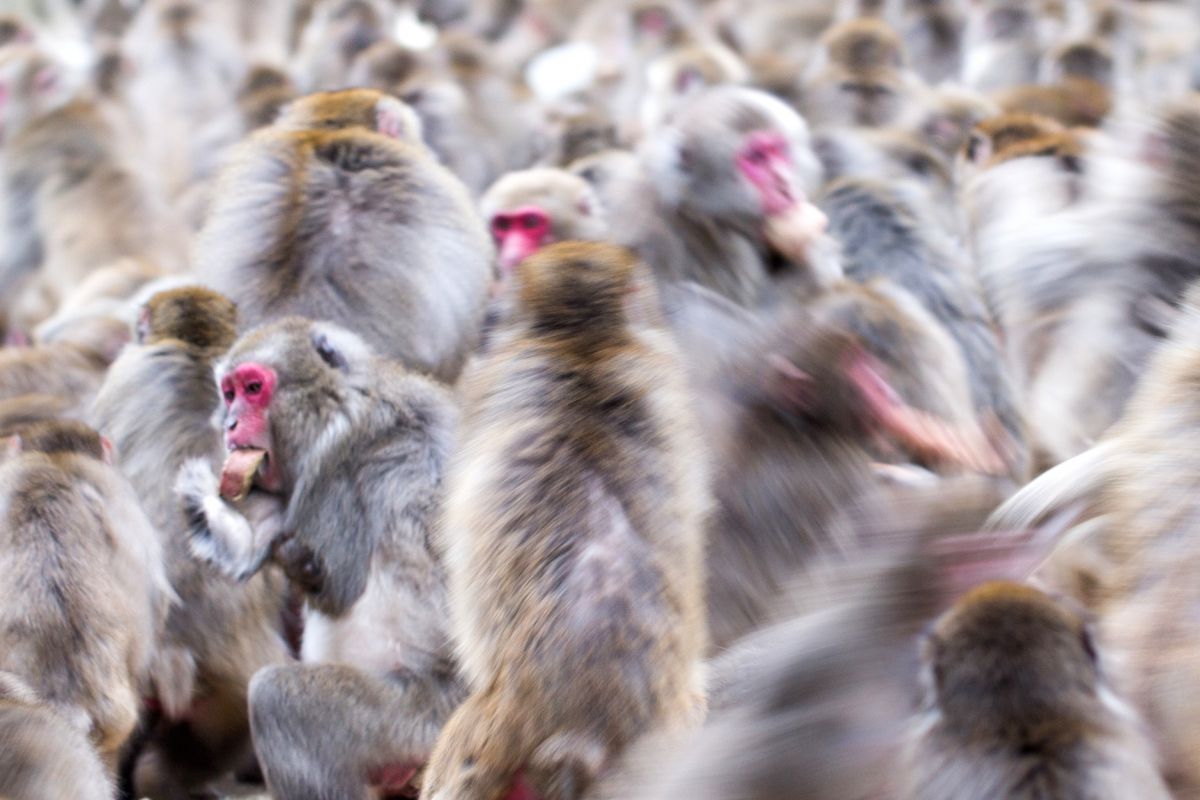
(932, 31)
(1088, 59)
(42, 755)
(222, 632)
(781, 444)
(679, 73)
(590, 631)
(776, 40)
(1131, 549)
(1016, 705)
(816, 703)
(1075, 102)
(916, 168)
(188, 63)
(1001, 44)
(578, 134)
(337, 32)
(883, 237)
(1079, 317)
(105, 292)
(529, 209)
(82, 630)
(64, 218)
(724, 203)
(300, 225)
(14, 30)
(859, 76)
(333, 471)
(948, 115)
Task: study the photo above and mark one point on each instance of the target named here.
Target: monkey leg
(326, 731)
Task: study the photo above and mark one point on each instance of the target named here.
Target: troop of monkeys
(734, 400)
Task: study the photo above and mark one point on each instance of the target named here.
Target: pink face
(766, 161)
(247, 391)
(519, 233)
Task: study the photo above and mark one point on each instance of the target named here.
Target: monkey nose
(231, 425)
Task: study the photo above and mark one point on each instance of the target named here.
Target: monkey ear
(45, 80)
(397, 120)
(142, 328)
(13, 446)
(108, 450)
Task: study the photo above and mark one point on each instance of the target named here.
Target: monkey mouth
(243, 468)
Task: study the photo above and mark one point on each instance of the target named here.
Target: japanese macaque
(336, 33)
(63, 220)
(1089, 59)
(859, 77)
(1133, 550)
(529, 209)
(339, 212)
(335, 456)
(1083, 274)
(89, 589)
(884, 236)
(187, 62)
(580, 623)
(679, 74)
(221, 632)
(932, 31)
(576, 134)
(892, 388)
(43, 756)
(1017, 706)
(725, 204)
(1075, 102)
(948, 115)
(816, 704)
(1002, 45)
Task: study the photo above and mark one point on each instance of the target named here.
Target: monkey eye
(501, 223)
(758, 156)
(229, 395)
(530, 221)
(254, 387)
(328, 353)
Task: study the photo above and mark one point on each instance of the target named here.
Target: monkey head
(743, 159)
(60, 436)
(529, 209)
(353, 108)
(31, 84)
(286, 386)
(1008, 660)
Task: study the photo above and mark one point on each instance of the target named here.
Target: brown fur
(580, 622)
(1073, 101)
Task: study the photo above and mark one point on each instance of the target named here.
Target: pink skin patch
(518, 234)
(247, 392)
(521, 790)
(392, 777)
(918, 431)
(653, 22)
(766, 161)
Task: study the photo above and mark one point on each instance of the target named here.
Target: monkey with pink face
(726, 204)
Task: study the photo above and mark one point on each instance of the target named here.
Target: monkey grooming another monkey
(339, 212)
(573, 537)
(335, 456)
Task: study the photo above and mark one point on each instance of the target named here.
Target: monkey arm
(237, 540)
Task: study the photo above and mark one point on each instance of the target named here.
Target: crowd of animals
(600, 399)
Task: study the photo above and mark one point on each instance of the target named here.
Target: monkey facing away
(335, 456)
(87, 588)
(579, 621)
(157, 404)
(338, 212)
(1017, 707)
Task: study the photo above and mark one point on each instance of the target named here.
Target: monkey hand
(220, 533)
